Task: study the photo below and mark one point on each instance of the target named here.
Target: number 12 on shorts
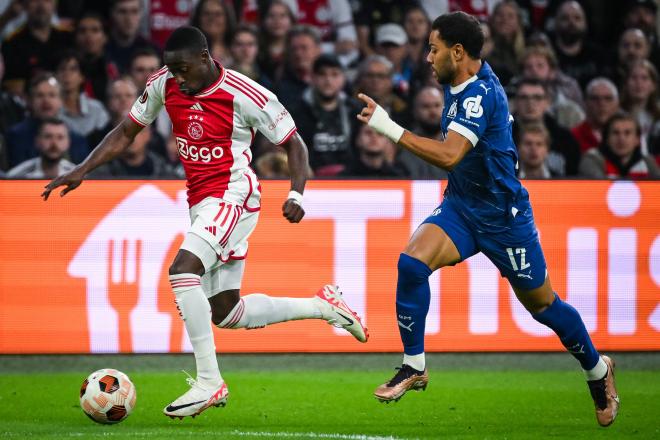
(521, 252)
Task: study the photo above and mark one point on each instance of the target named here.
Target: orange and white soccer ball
(107, 396)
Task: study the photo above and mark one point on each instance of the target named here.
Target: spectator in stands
(540, 62)
(144, 63)
(122, 93)
(639, 97)
(602, 102)
(11, 113)
(82, 114)
(302, 48)
(138, 161)
(334, 21)
(633, 46)
(578, 56)
(12, 110)
(508, 37)
(427, 117)
(642, 14)
(533, 149)
(531, 106)
(275, 25)
(217, 20)
(489, 44)
(417, 26)
(125, 39)
(325, 117)
(620, 155)
(375, 80)
(44, 102)
(33, 47)
(272, 165)
(244, 49)
(482, 9)
(391, 42)
(91, 38)
(370, 14)
(375, 156)
(52, 144)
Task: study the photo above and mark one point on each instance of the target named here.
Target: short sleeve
(472, 113)
(147, 107)
(273, 121)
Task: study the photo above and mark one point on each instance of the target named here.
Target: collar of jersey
(459, 88)
(215, 85)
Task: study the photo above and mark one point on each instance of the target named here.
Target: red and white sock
(196, 313)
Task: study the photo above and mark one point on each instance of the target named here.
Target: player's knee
(222, 305)
(186, 262)
(536, 304)
(412, 269)
(539, 305)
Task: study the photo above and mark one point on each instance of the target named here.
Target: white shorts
(219, 237)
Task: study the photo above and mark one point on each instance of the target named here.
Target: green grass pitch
(329, 397)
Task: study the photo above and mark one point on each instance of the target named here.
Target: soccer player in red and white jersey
(214, 113)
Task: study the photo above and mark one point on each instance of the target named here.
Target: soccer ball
(107, 396)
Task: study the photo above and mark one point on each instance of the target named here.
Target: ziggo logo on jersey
(191, 152)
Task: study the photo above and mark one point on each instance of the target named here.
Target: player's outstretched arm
(298, 168)
(444, 154)
(109, 148)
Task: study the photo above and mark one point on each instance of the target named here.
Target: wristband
(296, 197)
(381, 122)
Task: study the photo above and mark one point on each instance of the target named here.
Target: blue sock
(567, 323)
(413, 296)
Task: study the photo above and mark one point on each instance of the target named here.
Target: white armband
(381, 122)
(296, 197)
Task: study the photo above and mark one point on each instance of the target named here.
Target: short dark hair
(460, 28)
(532, 82)
(144, 51)
(186, 38)
(618, 117)
(537, 128)
(303, 29)
(94, 15)
(67, 55)
(42, 77)
(245, 29)
(49, 121)
(326, 60)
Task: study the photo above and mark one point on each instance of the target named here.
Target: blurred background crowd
(581, 76)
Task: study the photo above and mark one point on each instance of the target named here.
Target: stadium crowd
(582, 79)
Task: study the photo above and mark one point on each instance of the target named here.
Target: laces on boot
(405, 371)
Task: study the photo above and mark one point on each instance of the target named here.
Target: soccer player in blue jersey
(485, 209)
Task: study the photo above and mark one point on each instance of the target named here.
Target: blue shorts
(516, 252)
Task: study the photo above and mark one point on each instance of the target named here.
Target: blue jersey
(483, 186)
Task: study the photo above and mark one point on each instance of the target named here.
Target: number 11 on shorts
(521, 252)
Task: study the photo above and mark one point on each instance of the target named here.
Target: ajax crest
(195, 130)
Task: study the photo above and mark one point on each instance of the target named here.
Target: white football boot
(337, 313)
(197, 399)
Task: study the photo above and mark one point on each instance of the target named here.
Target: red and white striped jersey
(214, 130)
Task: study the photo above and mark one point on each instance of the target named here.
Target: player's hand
(293, 211)
(367, 111)
(70, 180)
